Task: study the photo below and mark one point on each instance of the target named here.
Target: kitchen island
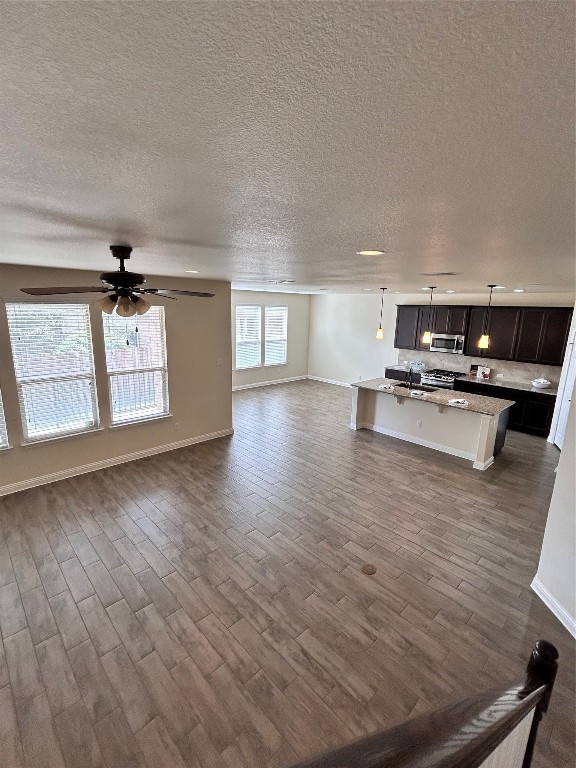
(474, 431)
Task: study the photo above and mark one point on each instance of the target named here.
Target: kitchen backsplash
(511, 371)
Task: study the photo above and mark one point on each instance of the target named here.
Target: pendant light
(380, 331)
(484, 341)
(427, 337)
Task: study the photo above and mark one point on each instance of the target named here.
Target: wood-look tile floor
(206, 608)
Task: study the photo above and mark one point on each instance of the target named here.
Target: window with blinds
(248, 336)
(3, 432)
(136, 363)
(52, 351)
(275, 335)
(261, 336)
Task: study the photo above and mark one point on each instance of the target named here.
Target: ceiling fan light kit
(142, 306)
(125, 307)
(124, 289)
(107, 304)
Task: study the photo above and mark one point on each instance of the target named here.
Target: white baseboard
(267, 383)
(550, 602)
(329, 381)
(95, 465)
(285, 381)
(482, 465)
(417, 441)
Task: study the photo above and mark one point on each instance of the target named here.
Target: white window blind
(52, 350)
(275, 335)
(136, 363)
(248, 336)
(3, 433)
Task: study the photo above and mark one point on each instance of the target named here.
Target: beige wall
(343, 345)
(298, 328)
(557, 567)
(199, 379)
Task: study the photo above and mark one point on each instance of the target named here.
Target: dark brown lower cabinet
(531, 412)
(537, 417)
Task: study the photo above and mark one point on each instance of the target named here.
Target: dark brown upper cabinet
(543, 335)
(474, 331)
(503, 325)
(406, 327)
(447, 319)
(530, 334)
(525, 334)
(458, 320)
(423, 326)
(412, 322)
(441, 319)
(554, 335)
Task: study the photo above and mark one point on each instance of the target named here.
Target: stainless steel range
(439, 378)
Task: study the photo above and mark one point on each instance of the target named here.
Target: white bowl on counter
(540, 383)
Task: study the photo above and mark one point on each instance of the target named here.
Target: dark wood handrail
(462, 734)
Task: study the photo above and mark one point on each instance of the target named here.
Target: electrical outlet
(419, 423)
(176, 426)
(499, 375)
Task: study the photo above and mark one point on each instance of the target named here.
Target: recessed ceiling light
(426, 288)
(191, 271)
(518, 290)
(369, 253)
(499, 287)
(367, 289)
(396, 291)
(450, 291)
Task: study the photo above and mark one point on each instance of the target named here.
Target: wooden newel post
(541, 670)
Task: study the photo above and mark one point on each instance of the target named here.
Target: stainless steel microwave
(447, 342)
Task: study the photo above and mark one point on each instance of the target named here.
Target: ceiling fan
(124, 289)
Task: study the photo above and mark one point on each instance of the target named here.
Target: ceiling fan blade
(64, 289)
(143, 292)
(166, 291)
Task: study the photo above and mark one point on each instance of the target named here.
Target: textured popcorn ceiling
(259, 141)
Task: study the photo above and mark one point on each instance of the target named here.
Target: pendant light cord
(381, 305)
(430, 307)
(485, 328)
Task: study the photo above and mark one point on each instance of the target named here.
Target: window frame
(265, 340)
(262, 310)
(260, 315)
(3, 428)
(162, 369)
(22, 382)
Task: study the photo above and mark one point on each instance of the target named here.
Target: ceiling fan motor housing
(123, 279)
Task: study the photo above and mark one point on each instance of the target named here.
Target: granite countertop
(492, 406)
(524, 386)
